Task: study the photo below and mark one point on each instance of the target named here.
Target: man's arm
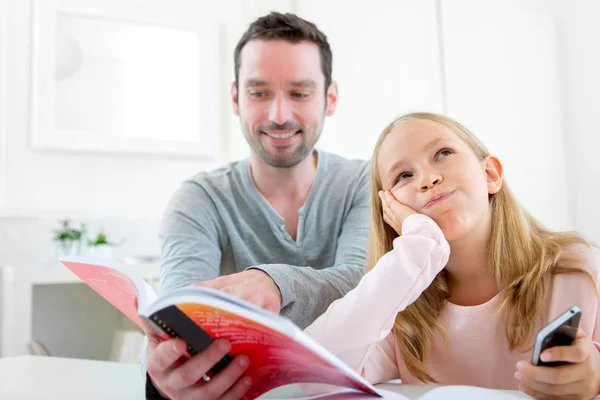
(307, 292)
(191, 239)
(191, 242)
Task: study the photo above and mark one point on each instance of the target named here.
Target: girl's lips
(436, 199)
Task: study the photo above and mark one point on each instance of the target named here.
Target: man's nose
(281, 110)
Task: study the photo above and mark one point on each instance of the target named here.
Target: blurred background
(106, 106)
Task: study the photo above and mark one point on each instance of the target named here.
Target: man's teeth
(281, 135)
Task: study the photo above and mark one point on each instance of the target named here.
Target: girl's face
(429, 168)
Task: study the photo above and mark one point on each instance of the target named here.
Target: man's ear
(234, 99)
(493, 172)
(332, 97)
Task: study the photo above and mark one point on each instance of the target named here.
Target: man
(286, 229)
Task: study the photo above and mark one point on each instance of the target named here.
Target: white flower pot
(103, 251)
(66, 248)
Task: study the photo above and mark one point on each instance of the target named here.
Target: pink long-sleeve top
(358, 327)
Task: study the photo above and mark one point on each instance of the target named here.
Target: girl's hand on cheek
(394, 212)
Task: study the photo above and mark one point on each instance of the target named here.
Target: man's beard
(287, 161)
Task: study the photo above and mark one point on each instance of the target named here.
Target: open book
(279, 352)
(424, 392)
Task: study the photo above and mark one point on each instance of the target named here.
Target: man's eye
(300, 95)
(257, 94)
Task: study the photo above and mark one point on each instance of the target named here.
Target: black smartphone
(560, 332)
(172, 321)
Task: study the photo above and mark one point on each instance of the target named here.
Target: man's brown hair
(288, 27)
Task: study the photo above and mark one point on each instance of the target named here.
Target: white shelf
(16, 299)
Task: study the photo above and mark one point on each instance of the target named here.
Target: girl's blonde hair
(522, 256)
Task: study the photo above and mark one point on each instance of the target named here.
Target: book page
(460, 392)
(275, 358)
(347, 395)
(109, 283)
(405, 392)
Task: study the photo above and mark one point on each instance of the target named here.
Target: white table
(34, 377)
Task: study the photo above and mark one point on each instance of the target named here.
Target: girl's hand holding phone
(394, 212)
(580, 379)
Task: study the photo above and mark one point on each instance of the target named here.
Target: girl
(461, 278)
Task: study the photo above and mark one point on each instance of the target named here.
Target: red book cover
(115, 286)
(279, 353)
(275, 358)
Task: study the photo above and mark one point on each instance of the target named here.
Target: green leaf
(67, 232)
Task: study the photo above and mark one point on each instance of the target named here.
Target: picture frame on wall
(111, 76)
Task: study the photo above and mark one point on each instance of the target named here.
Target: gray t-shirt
(218, 223)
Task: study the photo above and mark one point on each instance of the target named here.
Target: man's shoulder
(223, 177)
(342, 169)
(208, 188)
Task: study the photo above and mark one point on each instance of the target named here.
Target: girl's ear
(493, 172)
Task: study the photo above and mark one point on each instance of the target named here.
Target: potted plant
(100, 247)
(68, 239)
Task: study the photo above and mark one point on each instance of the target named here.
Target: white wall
(579, 42)
(522, 74)
(3, 100)
(493, 65)
(53, 183)
(502, 79)
(123, 194)
(386, 61)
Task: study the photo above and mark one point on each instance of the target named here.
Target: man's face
(281, 99)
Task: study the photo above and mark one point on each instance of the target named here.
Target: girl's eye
(402, 176)
(443, 153)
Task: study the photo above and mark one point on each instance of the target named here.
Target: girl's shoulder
(586, 257)
(569, 290)
(575, 286)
